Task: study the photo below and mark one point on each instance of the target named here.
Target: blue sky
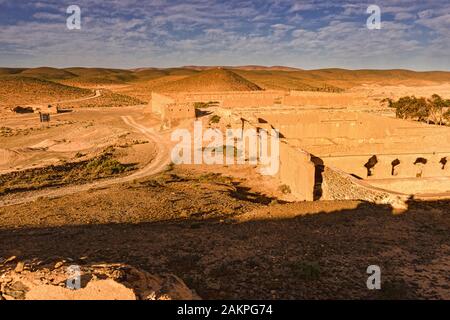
(307, 34)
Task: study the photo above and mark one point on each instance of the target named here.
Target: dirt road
(97, 94)
(158, 164)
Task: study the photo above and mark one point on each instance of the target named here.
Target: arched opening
(421, 160)
(420, 163)
(395, 164)
(370, 165)
(443, 162)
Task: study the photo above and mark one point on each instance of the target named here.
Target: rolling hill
(48, 73)
(207, 78)
(17, 89)
(287, 80)
(210, 80)
(8, 71)
(99, 76)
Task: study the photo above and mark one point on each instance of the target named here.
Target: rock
(15, 291)
(58, 265)
(9, 259)
(213, 285)
(19, 268)
(99, 282)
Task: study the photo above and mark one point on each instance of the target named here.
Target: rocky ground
(226, 239)
(64, 281)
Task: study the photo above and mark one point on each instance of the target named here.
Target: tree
(420, 109)
(437, 106)
(446, 115)
(411, 108)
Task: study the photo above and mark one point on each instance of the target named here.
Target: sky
(306, 34)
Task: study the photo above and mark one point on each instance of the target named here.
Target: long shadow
(318, 176)
(265, 258)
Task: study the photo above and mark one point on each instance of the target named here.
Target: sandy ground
(28, 144)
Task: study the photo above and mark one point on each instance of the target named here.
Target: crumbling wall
(171, 110)
(175, 111)
(337, 185)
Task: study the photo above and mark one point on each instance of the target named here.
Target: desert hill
(48, 73)
(99, 76)
(287, 80)
(211, 80)
(153, 73)
(206, 78)
(247, 67)
(8, 71)
(17, 89)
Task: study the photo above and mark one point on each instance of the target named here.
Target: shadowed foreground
(261, 252)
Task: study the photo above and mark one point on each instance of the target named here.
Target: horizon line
(274, 67)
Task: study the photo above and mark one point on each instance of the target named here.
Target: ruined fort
(332, 146)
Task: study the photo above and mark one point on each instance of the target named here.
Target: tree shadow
(202, 113)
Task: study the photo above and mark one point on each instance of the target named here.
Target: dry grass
(67, 173)
(107, 99)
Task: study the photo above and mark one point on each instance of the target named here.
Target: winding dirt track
(158, 164)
